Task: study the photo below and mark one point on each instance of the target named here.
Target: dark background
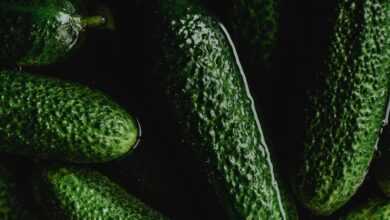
(160, 171)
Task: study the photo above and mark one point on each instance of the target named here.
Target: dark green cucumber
(41, 32)
(82, 194)
(374, 209)
(344, 114)
(201, 77)
(11, 207)
(49, 119)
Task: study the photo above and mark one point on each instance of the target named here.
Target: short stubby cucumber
(11, 207)
(344, 114)
(47, 118)
(374, 209)
(41, 32)
(83, 194)
(207, 92)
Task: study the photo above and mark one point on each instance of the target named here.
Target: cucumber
(344, 114)
(83, 194)
(207, 93)
(374, 209)
(42, 32)
(46, 118)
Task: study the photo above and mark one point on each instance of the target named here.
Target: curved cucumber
(208, 94)
(41, 32)
(343, 118)
(375, 209)
(82, 194)
(49, 119)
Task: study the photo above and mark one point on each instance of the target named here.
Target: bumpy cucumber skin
(38, 32)
(375, 209)
(10, 206)
(254, 25)
(208, 94)
(68, 193)
(344, 116)
(49, 119)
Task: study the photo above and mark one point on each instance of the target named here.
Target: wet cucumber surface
(203, 80)
(104, 63)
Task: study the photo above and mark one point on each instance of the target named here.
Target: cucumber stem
(93, 21)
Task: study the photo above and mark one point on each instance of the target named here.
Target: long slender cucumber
(202, 78)
(343, 117)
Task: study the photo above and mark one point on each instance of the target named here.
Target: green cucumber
(344, 114)
(83, 194)
(207, 92)
(49, 119)
(41, 32)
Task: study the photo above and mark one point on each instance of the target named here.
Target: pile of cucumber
(199, 62)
